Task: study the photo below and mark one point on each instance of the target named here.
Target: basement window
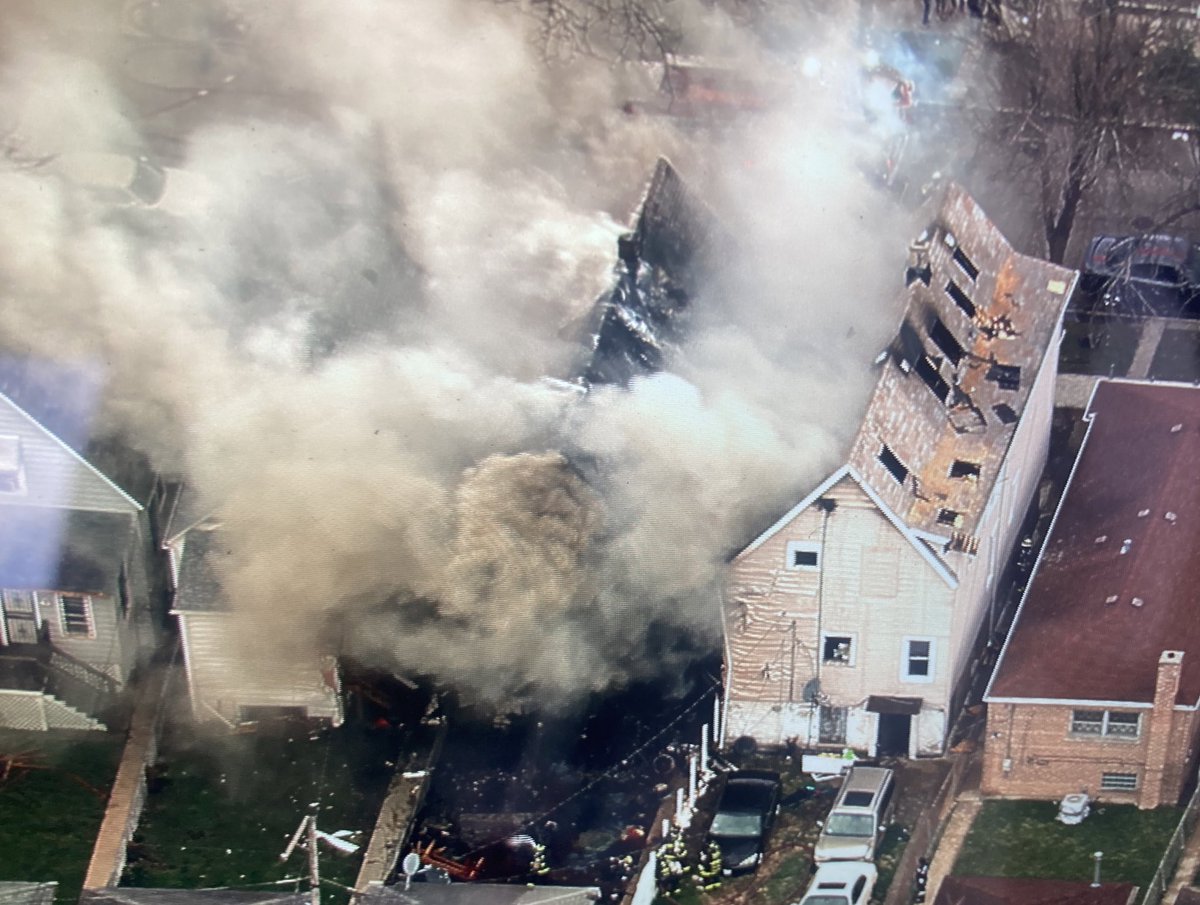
(964, 469)
(803, 555)
(960, 298)
(946, 341)
(1118, 782)
(967, 265)
(837, 649)
(895, 467)
(1005, 413)
(928, 371)
(1007, 377)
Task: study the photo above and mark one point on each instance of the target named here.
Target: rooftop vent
(1170, 517)
(1102, 538)
(1111, 598)
(1137, 601)
(1126, 545)
(1142, 513)
(1177, 428)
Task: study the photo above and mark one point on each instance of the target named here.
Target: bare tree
(605, 29)
(1077, 96)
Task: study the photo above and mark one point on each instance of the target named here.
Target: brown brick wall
(1045, 761)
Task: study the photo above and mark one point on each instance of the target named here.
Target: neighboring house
(17, 893)
(1032, 891)
(226, 680)
(74, 582)
(851, 620)
(126, 895)
(1098, 685)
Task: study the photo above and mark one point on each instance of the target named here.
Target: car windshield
(735, 824)
(826, 900)
(849, 825)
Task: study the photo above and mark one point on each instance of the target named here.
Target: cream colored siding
(222, 682)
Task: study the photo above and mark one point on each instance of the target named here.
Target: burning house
(851, 620)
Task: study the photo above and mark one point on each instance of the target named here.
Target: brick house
(850, 621)
(75, 552)
(1098, 684)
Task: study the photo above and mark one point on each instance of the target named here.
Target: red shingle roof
(1116, 583)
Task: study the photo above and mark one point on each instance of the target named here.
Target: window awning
(879, 703)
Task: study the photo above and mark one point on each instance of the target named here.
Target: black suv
(1149, 274)
(745, 814)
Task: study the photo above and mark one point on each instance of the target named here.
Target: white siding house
(850, 621)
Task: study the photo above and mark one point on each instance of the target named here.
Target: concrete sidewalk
(962, 816)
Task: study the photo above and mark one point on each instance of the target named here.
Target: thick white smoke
(397, 216)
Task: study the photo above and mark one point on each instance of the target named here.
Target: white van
(860, 811)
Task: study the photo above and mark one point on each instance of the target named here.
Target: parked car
(1147, 274)
(745, 813)
(841, 883)
(859, 814)
(126, 181)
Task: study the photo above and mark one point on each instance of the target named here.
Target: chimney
(1155, 789)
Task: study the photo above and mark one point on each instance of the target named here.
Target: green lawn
(222, 807)
(52, 802)
(1022, 839)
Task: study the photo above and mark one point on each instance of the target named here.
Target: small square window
(837, 649)
(1087, 722)
(804, 555)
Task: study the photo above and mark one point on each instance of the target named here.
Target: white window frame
(88, 615)
(906, 659)
(1106, 732)
(802, 546)
(851, 659)
(1125, 782)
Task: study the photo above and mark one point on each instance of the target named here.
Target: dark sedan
(745, 814)
(1149, 275)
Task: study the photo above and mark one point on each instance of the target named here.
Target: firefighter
(539, 866)
(709, 872)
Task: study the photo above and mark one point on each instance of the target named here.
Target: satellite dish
(812, 691)
(410, 865)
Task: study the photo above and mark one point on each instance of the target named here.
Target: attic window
(967, 265)
(12, 465)
(803, 556)
(964, 469)
(895, 467)
(1005, 413)
(960, 298)
(949, 517)
(946, 341)
(928, 372)
(1007, 377)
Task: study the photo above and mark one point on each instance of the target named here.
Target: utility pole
(314, 869)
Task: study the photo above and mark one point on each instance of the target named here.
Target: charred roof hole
(964, 469)
(946, 341)
(949, 517)
(967, 265)
(1007, 377)
(1005, 413)
(912, 274)
(960, 298)
(892, 463)
(927, 369)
